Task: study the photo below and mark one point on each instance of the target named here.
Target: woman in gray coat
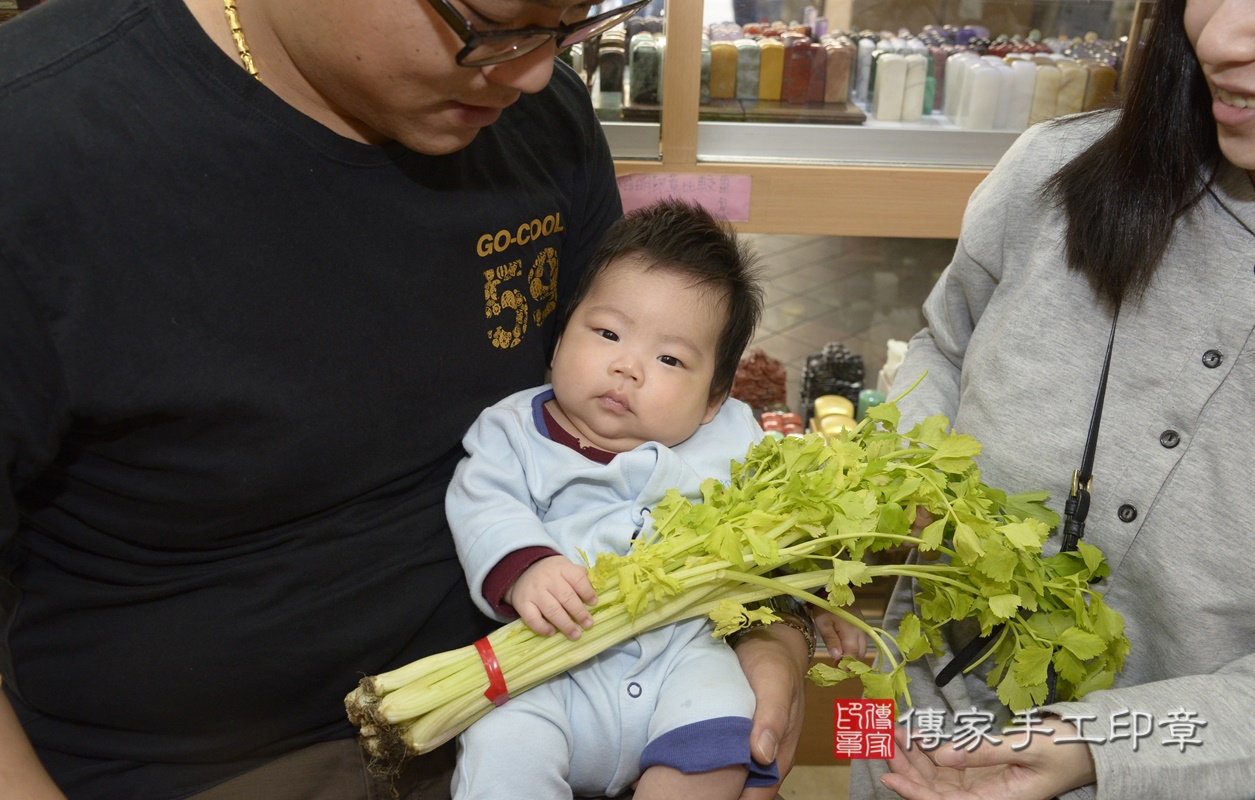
(1148, 211)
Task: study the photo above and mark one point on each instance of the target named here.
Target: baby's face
(636, 359)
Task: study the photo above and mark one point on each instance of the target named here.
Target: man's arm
(33, 410)
(775, 659)
(21, 774)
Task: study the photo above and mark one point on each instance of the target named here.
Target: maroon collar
(559, 434)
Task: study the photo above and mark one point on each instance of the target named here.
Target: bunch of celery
(801, 514)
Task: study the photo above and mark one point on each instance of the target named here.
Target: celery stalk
(801, 515)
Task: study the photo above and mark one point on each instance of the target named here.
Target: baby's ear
(713, 407)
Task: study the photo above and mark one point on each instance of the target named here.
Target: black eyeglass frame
(472, 39)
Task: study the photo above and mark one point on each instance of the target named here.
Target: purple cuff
(709, 745)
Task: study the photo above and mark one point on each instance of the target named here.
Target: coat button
(1212, 359)
(1170, 439)
(634, 689)
(1126, 513)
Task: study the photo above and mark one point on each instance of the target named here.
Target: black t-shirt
(237, 355)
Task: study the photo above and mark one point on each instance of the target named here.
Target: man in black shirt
(260, 268)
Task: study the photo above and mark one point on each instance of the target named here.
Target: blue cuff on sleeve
(709, 745)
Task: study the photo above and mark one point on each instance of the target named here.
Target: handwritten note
(725, 196)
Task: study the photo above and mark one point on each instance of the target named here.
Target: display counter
(840, 169)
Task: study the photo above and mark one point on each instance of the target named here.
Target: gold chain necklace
(241, 44)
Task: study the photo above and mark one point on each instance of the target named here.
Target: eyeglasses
(484, 48)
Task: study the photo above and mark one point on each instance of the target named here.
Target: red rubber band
(497, 692)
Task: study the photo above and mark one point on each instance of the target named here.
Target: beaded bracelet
(785, 619)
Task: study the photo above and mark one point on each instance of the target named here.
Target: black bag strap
(1074, 513)
(1077, 508)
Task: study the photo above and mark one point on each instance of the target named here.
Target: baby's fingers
(566, 611)
(532, 617)
(841, 637)
(576, 594)
(853, 641)
(584, 587)
(923, 518)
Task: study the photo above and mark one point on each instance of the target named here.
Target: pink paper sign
(726, 196)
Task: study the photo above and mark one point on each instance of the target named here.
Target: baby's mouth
(615, 401)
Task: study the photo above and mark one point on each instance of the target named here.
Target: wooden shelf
(808, 199)
(842, 200)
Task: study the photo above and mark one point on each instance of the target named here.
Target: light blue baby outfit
(673, 696)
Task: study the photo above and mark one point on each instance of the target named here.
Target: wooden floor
(808, 782)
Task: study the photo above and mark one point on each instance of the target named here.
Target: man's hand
(1040, 771)
(775, 661)
(553, 594)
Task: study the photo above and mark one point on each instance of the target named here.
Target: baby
(638, 404)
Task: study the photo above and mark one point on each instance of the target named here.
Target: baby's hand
(841, 637)
(553, 593)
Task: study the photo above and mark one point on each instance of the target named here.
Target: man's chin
(437, 143)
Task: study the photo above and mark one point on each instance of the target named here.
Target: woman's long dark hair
(1123, 194)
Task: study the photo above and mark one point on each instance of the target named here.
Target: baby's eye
(671, 361)
(605, 334)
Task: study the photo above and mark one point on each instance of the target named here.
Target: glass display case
(852, 117)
